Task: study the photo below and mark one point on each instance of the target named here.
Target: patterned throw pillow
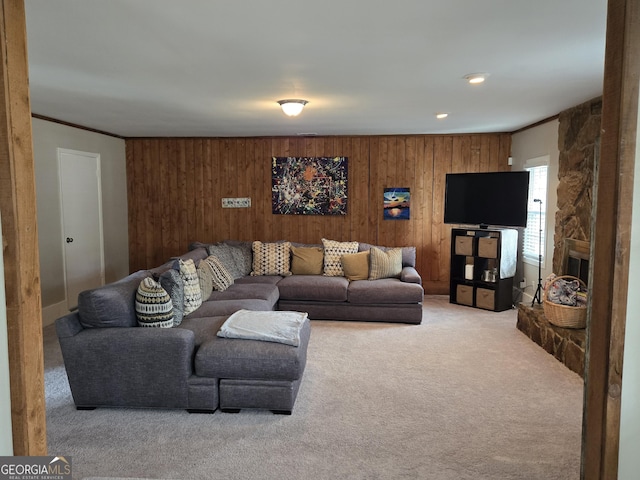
(271, 258)
(221, 278)
(242, 254)
(356, 265)
(385, 264)
(205, 278)
(192, 293)
(153, 305)
(306, 260)
(333, 252)
(224, 253)
(172, 282)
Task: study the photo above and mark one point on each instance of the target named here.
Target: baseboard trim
(51, 312)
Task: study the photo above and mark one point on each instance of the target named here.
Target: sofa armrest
(135, 366)
(69, 325)
(410, 275)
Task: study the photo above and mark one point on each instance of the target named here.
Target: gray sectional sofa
(112, 362)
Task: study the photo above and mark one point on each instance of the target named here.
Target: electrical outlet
(244, 202)
(523, 283)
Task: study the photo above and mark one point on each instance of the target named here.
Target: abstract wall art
(309, 185)
(397, 203)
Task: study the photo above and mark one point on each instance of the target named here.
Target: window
(535, 231)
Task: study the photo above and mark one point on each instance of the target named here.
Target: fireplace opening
(576, 259)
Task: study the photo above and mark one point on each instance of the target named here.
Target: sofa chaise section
(133, 367)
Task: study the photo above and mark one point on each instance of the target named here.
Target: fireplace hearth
(567, 345)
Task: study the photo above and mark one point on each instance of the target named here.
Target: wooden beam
(612, 240)
(20, 237)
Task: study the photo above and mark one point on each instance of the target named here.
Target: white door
(81, 205)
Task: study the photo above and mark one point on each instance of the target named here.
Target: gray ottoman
(253, 373)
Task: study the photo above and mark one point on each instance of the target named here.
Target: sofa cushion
(386, 264)
(153, 305)
(229, 306)
(306, 260)
(262, 291)
(172, 282)
(192, 293)
(237, 297)
(356, 265)
(160, 269)
(333, 252)
(204, 328)
(252, 359)
(111, 305)
(268, 279)
(271, 258)
(221, 278)
(195, 255)
(384, 291)
(314, 287)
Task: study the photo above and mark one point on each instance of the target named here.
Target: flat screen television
(493, 198)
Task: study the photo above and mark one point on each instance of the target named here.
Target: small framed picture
(397, 203)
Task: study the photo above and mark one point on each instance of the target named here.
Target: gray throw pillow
(242, 254)
(172, 282)
(224, 253)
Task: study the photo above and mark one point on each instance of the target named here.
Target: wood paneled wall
(175, 187)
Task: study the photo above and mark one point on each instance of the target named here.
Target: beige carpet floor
(464, 395)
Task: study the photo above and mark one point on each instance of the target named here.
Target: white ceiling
(217, 67)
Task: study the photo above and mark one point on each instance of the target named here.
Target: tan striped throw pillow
(387, 264)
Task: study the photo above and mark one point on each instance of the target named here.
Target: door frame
(96, 157)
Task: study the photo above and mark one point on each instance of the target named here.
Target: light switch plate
(244, 202)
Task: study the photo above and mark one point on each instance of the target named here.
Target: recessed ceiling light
(476, 78)
(442, 115)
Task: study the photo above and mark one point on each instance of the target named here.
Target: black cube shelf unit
(494, 250)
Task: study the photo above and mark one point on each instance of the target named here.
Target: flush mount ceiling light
(292, 107)
(442, 115)
(476, 78)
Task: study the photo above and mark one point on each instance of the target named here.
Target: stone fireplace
(565, 344)
(578, 145)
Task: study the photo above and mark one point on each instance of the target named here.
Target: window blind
(534, 239)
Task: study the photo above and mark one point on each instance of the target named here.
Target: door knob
(69, 239)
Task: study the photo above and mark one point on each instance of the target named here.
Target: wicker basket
(564, 316)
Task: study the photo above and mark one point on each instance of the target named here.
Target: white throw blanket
(272, 326)
(509, 252)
